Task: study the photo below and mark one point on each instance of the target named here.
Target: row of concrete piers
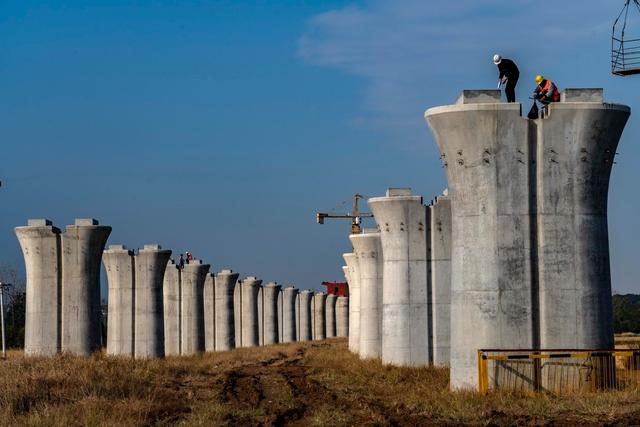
(154, 307)
(400, 278)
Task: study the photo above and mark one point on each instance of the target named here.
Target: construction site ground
(310, 383)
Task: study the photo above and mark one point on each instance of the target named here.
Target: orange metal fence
(557, 371)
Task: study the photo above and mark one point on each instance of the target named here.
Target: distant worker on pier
(181, 262)
(546, 92)
(189, 257)
(509, 74)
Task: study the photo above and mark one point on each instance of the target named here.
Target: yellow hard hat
(539, 79)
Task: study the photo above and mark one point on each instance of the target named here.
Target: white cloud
(416, 53)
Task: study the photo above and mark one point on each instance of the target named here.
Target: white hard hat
(497, 59)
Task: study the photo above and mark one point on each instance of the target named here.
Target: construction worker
(509, 74)
(546, 92)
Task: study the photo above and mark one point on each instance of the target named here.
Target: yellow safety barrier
(557, 371)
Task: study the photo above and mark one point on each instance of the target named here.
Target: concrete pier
(342, 317)
(367, 248)
(280, 317)
(354, 301)
(225, 283)
(41, 246)
(82, 247)
(576, 145)
(209, 297)
(119, 264)
(237, 310)
(171, 289)
(319, 313)
(530, 261)
(250, 328)
(330, 315)
(270, 293)
(289, 296)
(192, 307)
(306, 333)
(402, 219)
(488, 149)
(440, 278)
(150, 265)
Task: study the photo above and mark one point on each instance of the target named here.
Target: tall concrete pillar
(297, 306)
(192, 307)
(150, 264)
(209, 295)
(354, 301)
(120, 266)
(82, 246)
(40, 243)
(342, 317)
(319, 319)
(260, 317)
(171, 289)
(489, 151)
(289, 296)
(402, 219)
(367, 248)
(225, 283)
(280, 317)
(577, 142)
(270, 294)
(305, 333)
(330, 315)
(250, 329)
(237, 310)
(440, 278)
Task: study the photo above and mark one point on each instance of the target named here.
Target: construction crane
(355, 215)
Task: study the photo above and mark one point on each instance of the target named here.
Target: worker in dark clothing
(509, 74)
(546, 92)
(181, 262)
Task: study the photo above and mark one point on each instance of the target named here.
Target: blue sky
(223, 126)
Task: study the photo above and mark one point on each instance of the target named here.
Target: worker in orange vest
(546, 92)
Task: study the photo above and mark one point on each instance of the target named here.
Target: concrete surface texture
(530, 261)
(342, 316)
(289, 296)
(440, 278)
(40, 243)
(192, 307)
(305, 315)
(225, 283)
(260, 317)
(119, 264)
(330, 315)
(402, 220)
(354, 301)
(367, 248)
(237, 310)
(150, 265)
(297, 314)
(209, 298)
(270, 294)
(576, 145)
(171, 297)
(82, 247)
(280, 315)
(319, 313)
(250, 328)
(345, 271)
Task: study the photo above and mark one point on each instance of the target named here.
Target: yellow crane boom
(355, 216)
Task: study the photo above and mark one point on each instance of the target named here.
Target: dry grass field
(297, 384)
